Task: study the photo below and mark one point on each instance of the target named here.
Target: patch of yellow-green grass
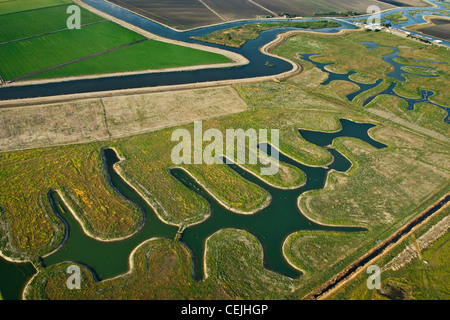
(383, 188)
(162, 269)
(396, 17)
(287, 176)
(346, 52)
(23, 5)
(438, 85)
(311, 251)
(235, 259)
(232, 191)
(26, 216)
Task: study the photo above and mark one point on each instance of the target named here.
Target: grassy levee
(31, 23)
(238, 36)
(425, 277)
(27, 56)
(24, 5)
(141, 56)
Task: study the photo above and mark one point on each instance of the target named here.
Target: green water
(271, 225)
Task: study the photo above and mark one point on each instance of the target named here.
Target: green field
(31, 22)
(144, 55)
(40, 40)
(24, 5)
(27, 56)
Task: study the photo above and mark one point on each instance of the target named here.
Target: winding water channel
(271, 225)
(397, 74)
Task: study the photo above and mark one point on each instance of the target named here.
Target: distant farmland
(309, 7)
(439, 28)
(186, 14)
(35, 43)
(181, 14)
(407, 3)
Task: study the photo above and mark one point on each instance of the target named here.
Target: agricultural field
(438, 27)
(309, 7)
(8, 7)
(184, 14)
(129, 58)
(407, 3)
(35, 43)
(201, 13)
(237, 9)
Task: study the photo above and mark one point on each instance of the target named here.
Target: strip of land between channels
(356, 267)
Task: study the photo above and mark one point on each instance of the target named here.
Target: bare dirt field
(187, 14)
(308, 7)
(407, 3)
(101, 119)
(439, 28)
(237, 9)
(180, 14)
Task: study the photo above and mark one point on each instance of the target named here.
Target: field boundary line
(262, 7)
(76, 60)
(210, 9)
(138, 11)
(51, 32)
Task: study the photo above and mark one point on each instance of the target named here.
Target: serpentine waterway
(271, 225)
